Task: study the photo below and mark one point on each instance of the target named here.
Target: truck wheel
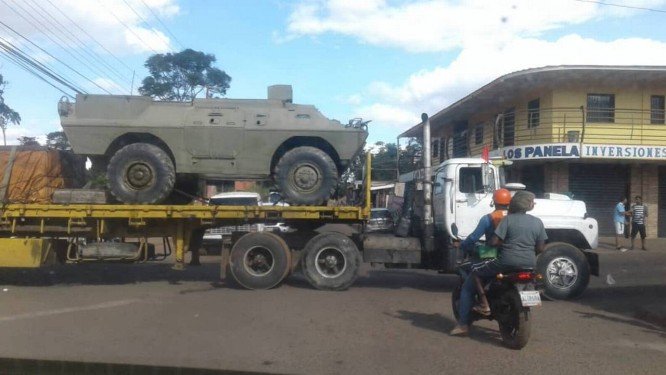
(331, 261)
(259, 260)
(565, 271)
(140, 173)
(306, 176)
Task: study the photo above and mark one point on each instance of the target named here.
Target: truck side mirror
(485, 176)
(454, 229)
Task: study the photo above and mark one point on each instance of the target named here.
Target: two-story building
(596, 132)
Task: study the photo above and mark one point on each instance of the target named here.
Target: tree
(385, 160)
(7, 115)
(58, 140)
(182, 76)
(28, 141)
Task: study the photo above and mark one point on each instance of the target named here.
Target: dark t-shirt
(519, 233)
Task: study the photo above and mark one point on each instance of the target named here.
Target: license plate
(530, 298)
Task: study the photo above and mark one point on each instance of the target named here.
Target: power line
(153, 29)
(15, 52)
(89, 36)
(622, 6)
(127, 27)
(71, 36)
(41, 49)
(46, 33)
(25, 67)
(163, 25)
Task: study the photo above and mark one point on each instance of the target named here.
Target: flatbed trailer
(30, 233)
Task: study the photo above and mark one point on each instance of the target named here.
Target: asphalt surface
(389, 322)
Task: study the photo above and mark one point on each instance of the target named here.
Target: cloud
(435, 25)
(486, 40)
(432, 90)
(73, 23)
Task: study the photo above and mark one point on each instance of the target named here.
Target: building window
(509, 127)
(600, 108)
(657, 109)
(533, 113)
(434, 147)
(478, 134)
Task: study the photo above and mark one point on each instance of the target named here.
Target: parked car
(381, 220)
(278, 227)
(214, 238)
(275, 199)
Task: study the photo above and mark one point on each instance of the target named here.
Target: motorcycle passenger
(486, 226)
(518, 235)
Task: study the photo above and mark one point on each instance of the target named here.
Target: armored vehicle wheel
(331, 261)
(140, 173)
(260, 260)
(306, 176)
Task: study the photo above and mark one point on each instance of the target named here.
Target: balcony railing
(615, 126)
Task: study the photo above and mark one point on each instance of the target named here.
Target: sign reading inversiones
(623, 152)
(543, 151)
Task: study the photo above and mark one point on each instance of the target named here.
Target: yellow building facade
(594, 132)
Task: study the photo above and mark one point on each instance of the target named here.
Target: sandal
(485, 311)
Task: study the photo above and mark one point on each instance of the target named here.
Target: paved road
(389, 322)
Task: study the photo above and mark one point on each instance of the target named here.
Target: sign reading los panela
(542, 151)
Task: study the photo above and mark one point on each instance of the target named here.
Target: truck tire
(331, 261)
(565, 271)
(306, 176)
(259, 260)
(140, 173)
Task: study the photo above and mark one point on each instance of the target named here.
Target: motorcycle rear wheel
(515, 331)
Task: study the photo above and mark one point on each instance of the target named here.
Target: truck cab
(463, 190)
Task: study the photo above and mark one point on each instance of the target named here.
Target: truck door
(439, 200)
(472, 200)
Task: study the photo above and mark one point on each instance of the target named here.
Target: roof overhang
(505, 88)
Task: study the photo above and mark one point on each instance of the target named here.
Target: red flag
(485, 154)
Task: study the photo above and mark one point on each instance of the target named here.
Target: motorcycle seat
(519, 269)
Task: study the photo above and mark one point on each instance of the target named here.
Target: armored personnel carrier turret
(149, 147)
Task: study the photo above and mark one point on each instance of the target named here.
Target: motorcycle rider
(486, 226)
(519, 235)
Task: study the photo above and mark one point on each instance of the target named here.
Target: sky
(381, 60)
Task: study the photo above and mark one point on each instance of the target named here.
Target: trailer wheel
(565, 271)
(140, 173)
(306, 176)
(331, 261)
(259, 260)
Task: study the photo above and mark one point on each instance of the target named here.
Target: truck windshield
(471, 180)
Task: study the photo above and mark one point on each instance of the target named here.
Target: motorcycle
(510, 295)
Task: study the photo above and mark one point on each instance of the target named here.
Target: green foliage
(7, 115)
(384, 162)
(182, 76)
(28, 141)
(58, 140)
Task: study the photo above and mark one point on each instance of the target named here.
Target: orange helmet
(502, 196)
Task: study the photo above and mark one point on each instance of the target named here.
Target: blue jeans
(485, 270)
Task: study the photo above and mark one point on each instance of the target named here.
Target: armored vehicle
(149, 147)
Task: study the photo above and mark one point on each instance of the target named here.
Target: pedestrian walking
(639, 213)
(619, 215)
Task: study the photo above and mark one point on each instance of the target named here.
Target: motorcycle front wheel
(515, 330)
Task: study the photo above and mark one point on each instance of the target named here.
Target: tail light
(520, 277)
